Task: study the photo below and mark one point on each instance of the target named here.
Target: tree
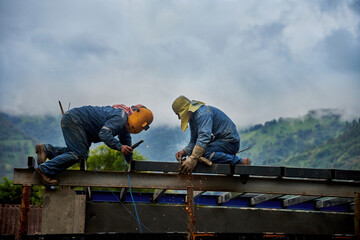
(11, 194)
(105, 158)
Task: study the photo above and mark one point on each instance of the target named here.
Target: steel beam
(258, 170)
(308, 173)
(333, 202)
(190, 210)
(227, 197)
(157, 194)
(296, 200)
(198, 193)
(198, 182)
(262, 198)
(24, 212)
(313, 173)
(174, 167)
(122, 194)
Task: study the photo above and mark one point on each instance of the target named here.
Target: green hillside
(342, 152)
(277, 140)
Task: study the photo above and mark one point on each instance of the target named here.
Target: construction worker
(91, 124)
(214, 138)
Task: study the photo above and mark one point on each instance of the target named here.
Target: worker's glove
(189, 165)
(205, 160)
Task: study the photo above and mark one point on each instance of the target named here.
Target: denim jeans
(77, 147)
(220, 151)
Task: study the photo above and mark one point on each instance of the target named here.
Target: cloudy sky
(256, 60)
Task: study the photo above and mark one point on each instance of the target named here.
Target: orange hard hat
(139, 120)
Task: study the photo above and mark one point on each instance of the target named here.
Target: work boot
(47, 181)
(40, 153)
(245, 161)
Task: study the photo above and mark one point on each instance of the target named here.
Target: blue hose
(132, 198)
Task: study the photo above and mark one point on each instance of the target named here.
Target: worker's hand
(189, 165)
(126, 150)
(180, 154)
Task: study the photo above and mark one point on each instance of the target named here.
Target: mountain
(44, 129)
(277, 140)
(15, 146)
(342, 152)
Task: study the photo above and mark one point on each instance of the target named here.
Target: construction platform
(221, 199)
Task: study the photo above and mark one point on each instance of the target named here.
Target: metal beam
(333, 202)
(262, 198)
(258, 170)
(227, 197)
(308, 173)
(296, 200)
(198, 182)
(313, 173)
(174, 167)
(123, 194)
(157, 194)
(198, 193)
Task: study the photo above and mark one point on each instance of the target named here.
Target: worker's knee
(79, 155)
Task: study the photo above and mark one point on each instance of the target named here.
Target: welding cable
(127, 209)
(132, 198)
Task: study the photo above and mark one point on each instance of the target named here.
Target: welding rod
(137, 144)
(61, 108)
(244, 150)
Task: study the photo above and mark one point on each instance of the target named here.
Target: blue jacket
(208, 124)
(102, 124)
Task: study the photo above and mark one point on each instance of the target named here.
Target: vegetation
(11, 194)
(342, 152)
(279, 140)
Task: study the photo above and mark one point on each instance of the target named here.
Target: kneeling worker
(214, 138)
(91, 124)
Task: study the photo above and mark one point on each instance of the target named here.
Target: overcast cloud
(256, 60)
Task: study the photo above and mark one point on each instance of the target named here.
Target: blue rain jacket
(102, 124)
(208, 124)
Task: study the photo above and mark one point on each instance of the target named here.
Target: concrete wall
(63, 212)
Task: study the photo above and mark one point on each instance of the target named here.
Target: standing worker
(214, 138)
(91, 124)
